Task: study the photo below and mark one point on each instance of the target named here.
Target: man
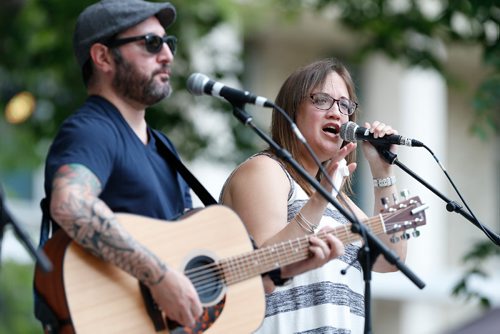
(105, 157)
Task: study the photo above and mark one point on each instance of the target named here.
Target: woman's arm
(258, 192)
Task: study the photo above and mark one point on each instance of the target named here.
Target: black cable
(485, 231)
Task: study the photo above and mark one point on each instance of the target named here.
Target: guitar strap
(171, 158)
(175, 162)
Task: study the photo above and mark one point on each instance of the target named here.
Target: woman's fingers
(325, 246)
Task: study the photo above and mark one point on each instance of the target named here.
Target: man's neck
(132, 112)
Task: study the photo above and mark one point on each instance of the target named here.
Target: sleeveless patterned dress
(321, 300)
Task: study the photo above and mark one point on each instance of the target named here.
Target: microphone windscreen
(196, 82)
(348, 131)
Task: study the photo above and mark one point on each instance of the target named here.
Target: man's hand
(177, 298)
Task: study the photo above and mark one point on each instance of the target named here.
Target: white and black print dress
(322, 300)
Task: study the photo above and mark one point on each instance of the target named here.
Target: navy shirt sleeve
(88, 141)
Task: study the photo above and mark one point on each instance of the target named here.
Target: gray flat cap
(107, 18)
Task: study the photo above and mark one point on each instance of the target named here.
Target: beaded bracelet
(385, 182)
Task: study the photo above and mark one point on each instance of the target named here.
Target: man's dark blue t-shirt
(133, 176)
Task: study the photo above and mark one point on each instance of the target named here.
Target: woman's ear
(102, 58)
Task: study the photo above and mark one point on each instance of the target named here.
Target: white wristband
(385, 182)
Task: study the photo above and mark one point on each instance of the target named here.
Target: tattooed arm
(75, 206)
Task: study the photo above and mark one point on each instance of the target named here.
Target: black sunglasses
(153, 42)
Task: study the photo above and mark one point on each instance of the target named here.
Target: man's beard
(137, 86)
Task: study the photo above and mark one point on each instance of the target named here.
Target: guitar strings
(207, 283)
(210, 276)
(199, 274)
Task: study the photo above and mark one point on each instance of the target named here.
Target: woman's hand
(333, 164)
(323, 247)
(379, 167)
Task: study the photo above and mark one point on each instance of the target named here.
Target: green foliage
(16, 299)
(476, 260)
(36, 36)
(487, 108)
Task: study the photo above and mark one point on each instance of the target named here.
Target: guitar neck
(242, 267)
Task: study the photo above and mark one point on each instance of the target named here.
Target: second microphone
(199, 84)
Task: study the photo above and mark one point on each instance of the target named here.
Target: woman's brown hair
(297, 87)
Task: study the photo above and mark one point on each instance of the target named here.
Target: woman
(277, 204)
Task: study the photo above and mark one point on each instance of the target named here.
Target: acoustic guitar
(211, 247)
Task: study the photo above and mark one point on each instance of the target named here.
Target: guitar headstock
(403, 216)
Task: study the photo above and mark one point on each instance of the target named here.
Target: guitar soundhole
(208, 280)
(206, 277)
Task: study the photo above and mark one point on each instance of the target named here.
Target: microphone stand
(451, 206)
(372, 246)
(38, 254)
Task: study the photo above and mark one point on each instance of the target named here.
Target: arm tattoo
(89, 221)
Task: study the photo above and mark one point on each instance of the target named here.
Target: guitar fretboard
(265, 259)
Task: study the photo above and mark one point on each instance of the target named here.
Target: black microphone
(350, 131)
(199, 84)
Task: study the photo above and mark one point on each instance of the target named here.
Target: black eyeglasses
(323, 101)
(153, 42)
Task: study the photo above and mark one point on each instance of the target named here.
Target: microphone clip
(385, 153)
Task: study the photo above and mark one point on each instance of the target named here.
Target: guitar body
(101, 298)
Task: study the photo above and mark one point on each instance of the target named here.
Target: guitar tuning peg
(415, 233)
(394, 239)
(395, 198)
(405, 236)
(385, 202)
(405, 193)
